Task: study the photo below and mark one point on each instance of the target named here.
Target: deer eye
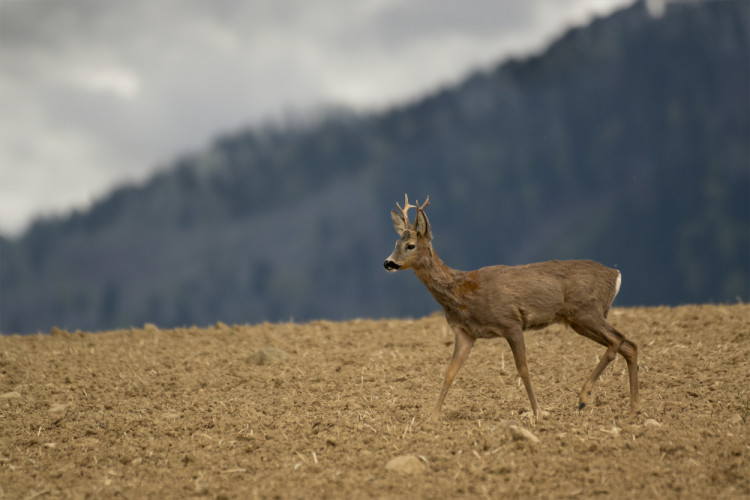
(411, 246)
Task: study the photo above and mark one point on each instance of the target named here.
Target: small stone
(266, 356)
(58, 408)
(530, 415)
(10, 395)
(519, 433)
(406, 464)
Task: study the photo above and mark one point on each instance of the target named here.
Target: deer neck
(440, 280)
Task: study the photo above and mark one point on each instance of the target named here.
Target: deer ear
(398, 222)
(422, 225)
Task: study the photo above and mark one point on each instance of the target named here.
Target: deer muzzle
(390, 266)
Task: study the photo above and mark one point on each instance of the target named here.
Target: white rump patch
(618, 282)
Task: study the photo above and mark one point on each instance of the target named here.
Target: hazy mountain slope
(626, 141)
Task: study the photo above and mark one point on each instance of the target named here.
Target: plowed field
(320, 409)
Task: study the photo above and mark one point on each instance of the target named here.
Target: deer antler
(426, 202)
(407, 206)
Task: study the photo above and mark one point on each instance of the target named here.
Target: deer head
(414, 243)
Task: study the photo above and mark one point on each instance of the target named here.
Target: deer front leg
(518, 346)
(461, 349)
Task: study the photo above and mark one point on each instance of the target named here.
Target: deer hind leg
(461, 350)
(607, 336)
(518, 346)
(629, 351)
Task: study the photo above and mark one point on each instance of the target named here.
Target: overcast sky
(97, 92)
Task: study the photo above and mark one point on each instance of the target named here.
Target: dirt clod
(266, 356)
(736, 418)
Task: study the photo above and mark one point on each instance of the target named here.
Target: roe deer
(503, 301)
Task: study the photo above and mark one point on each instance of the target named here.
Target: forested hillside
(625, 141)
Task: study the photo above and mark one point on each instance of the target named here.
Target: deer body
(489, 301)
(503, 301)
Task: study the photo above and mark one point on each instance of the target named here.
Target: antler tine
(407, 206)
(426, 202)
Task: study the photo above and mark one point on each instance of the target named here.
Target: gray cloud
(95, 93)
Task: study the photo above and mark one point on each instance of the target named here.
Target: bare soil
(216, 413)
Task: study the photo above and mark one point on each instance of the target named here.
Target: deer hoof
(581, 406)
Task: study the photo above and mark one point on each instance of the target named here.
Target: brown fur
(503, 301)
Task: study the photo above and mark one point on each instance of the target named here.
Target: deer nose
(389, 265)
